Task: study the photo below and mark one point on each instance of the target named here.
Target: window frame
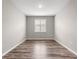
(41, 25)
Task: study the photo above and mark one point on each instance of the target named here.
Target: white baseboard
(40, 38)
(66, 47)
(14, 46)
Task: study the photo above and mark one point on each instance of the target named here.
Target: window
(40, 25)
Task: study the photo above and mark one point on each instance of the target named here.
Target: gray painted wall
(49, 27)
(66, 26)
(13, 26)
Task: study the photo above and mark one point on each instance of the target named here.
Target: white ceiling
(40, 7)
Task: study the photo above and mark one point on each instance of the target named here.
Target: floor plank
(33, 49)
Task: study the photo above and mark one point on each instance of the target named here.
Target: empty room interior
(39, 29)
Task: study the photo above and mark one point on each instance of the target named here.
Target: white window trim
(40, 30)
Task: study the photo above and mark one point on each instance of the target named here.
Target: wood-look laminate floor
(40, 50)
